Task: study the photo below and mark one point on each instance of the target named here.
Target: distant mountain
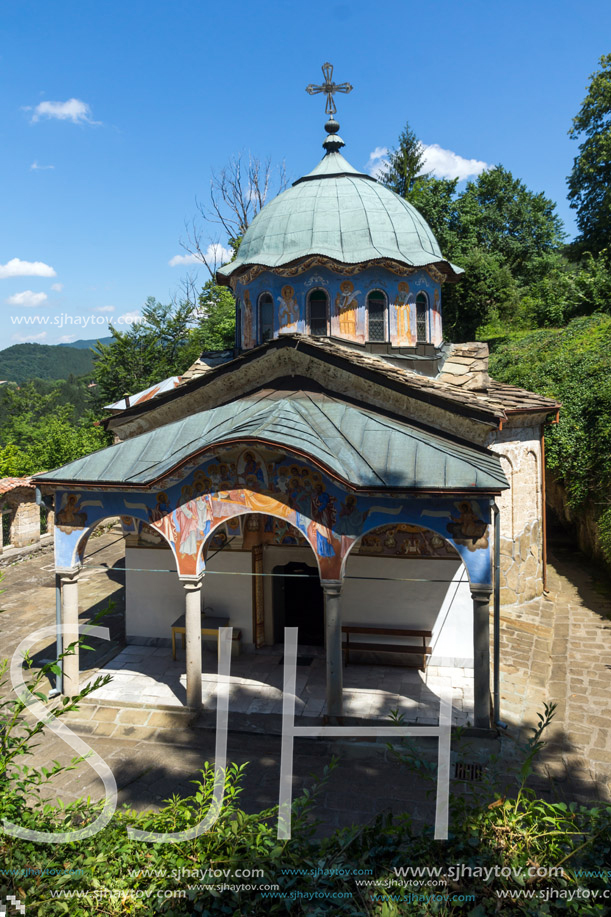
(84, 345)
(46, 361)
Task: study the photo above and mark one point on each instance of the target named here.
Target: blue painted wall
(347, 299)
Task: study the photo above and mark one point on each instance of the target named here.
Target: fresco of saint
(346, 304)
(247, 314)
(402, 312)
(288, 311)
(251, 470)
(69, 517)
(468, 528)
(437, 335)
(186, 522)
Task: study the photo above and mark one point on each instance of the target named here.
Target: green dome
(341, 214)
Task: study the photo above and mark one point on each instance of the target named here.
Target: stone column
(481, 654)
(193, 628)
(69, 601)
(333, 649)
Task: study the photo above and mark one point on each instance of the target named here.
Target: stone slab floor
(141, 674)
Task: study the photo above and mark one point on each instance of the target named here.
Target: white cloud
(214, 254)
(74, 110)
(446, 164)
(104, 309)
(128, 318)
(441, 163)
(57, 287)
(377, 161)
(18, 268)
(35, 167)
(67, 339)
(27, 298)
(27, 338)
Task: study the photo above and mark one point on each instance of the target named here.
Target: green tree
(499, 214)
(404, 163)
(590, 181)
(167, 340)
(486, 292)
(572, 364)
(217, 318)
(37, 433)
(505, 237)
(150, 350)
(435, 199)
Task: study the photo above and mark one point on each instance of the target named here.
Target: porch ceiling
(364, 448)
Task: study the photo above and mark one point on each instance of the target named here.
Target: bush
(573, 365)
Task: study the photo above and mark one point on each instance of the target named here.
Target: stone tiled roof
(8, 484)
(499, 399)
(492, 405)
(516, 400)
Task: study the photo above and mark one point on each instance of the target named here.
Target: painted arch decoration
(192, 502)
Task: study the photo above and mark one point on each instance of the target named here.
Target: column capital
(68, 575)
(192, 584)
(481, 591)
(332, 586)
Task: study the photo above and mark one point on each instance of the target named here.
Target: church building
(343, 470)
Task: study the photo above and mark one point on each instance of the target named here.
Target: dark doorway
(299, 602)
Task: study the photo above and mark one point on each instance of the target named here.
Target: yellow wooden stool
(211, 626)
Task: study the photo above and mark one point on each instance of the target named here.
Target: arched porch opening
(262, 572)
(401, 575)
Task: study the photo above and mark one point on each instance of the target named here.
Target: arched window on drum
(318, 310)
(376, 316)
(266, 318)
(422, 308)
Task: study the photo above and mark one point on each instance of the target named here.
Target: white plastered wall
(381, 598)
(155, 600)
(441, 602)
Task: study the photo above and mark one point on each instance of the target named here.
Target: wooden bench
(424, 650)
(210, 628)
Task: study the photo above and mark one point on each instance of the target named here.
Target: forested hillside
(22, 362)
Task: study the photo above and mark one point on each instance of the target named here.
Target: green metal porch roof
(365, 448)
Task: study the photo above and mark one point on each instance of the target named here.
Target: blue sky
(115, 113)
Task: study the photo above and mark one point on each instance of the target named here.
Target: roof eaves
(395, 379)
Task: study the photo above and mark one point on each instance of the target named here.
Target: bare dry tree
(187, 292)
(237, 194)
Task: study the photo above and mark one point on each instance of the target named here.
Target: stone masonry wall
(24, 515)
(521, 515)
(467, 366)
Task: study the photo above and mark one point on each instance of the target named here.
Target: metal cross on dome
(329, 88)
